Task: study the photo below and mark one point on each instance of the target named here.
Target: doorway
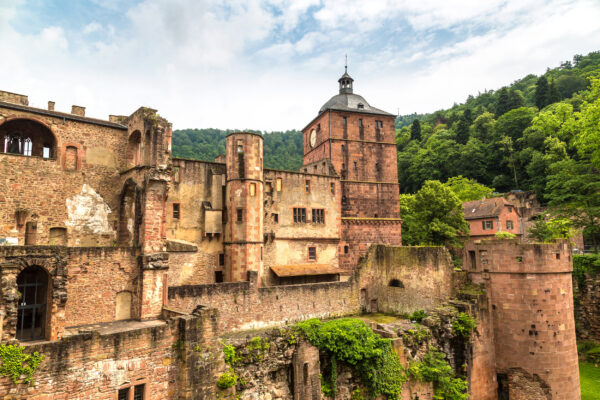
(32, 284)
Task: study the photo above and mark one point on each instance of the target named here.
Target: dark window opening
(275, 218)
(360, 123)
(305, 373)
(176, 211)
(218, 276)
(345, 121)
(221, 259)
(396, 283)
(123, 394)
(318, 216)
(32, 284)
(346, 249)
(473, 259)
(28, 138)
(138, 392)
(332, 185)
(307, 186)
(299, 215)
(240, 215)
(355, 166)
(312, 253)
(509, 225)
(487, 225)
(176, 174)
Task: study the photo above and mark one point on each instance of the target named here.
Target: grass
(380, 318)
(589, 376)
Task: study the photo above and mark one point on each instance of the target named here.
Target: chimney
(51, 106)
(78, 110)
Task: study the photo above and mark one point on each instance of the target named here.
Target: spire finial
(346, 65)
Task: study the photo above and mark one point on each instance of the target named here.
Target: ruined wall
(95, 364)
(530, 291)
(587, 304)
(359, 234)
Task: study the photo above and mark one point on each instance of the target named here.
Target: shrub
(463, 325)
(227, 380)
(231, 357)
(434, 368)
(504, 235)
(417, 316)
(351, 341)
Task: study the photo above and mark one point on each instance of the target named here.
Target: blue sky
(271, 64)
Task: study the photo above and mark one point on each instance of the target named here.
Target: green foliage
(282, 150)
(468, 189)
(15, 363)
(433, 216)
(434, 368)
(416, 336)
(357, 395)
(227, 380)
(549, 230)
(417, 316)
(257, 348)
(504, 235)
(351, 341)
(231, 357)
(589, 375)
(589, 351)
(415, 130)
(584, 263)
(463, 325)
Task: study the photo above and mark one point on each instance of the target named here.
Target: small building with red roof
(488, 216)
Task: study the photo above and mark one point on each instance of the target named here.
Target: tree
(433, 215)
(587, 125)
(542, 92)
(502, 105)
(468, 189)
(415, 130)
(462, 128)
(546, 230)
(572, 191)
(553, 93)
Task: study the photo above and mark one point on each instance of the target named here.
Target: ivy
(434, 368)
(463, 325)
(227, 380)
(257, 348)
(16, 364)
(231, 357)
(351, 341)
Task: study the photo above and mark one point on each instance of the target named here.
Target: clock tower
(358, 140)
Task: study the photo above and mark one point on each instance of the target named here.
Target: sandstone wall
(587, 304)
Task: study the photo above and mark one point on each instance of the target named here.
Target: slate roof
(350, 102)
(485, 208)
(304, 269)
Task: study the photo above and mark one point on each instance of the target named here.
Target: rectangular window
(312, 253)
(138, 392)
(509, 209)
(355, 166)
(218, 276)
(46, 152)
(360, 123)
(318, 216)
(222, 260)
(275, 218)
(279, 184)
(123, 394)
(253, 189)
(240, 215)
(509, 225)
(346, 249)
(307, 186)
(332, 188)
(299, 215)
(345, 121)
(176, 211)
(487, 225)
(268, 187)
(473, 259)
(318, 127)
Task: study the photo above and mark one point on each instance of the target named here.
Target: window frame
(299, 215)
(176, 211)
(312, 257)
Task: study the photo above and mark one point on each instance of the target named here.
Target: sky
(271, 64)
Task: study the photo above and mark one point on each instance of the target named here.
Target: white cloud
(270, 64)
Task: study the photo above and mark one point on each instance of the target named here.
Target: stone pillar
(244, 198)
(307, 380)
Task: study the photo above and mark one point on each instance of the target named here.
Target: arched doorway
(28, 138)
(32, 284)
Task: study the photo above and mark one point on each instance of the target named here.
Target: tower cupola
(345, 82)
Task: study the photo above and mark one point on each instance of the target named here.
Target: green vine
(463, 325)
(227, 380)
(16, 364)
(434, 368)
(351, 341)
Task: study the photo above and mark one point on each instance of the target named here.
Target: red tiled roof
(485, 208)
(304, 269)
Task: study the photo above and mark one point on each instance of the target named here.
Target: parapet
(510, 256)
(14, 98)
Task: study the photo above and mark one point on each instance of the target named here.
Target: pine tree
(502, 105)
(415, 130)
(462, 128)
(542, 92)
(553, 93)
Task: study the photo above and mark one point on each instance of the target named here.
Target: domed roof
(350, 102)
(346, 100)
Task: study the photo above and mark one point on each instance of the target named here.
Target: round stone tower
(244, 198)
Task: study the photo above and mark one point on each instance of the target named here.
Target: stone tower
(359, 141)
(243, 240)
(530, 292)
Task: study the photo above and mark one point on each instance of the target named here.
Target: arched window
(32, 284)
(28, 138)
(396, 283)
(134, 148)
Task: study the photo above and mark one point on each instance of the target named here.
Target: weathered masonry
(126, 267)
